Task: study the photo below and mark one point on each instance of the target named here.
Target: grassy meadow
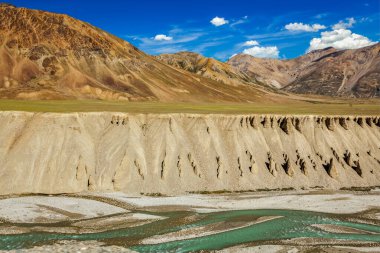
(371, 107)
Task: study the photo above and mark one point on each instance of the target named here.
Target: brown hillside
(52, 56)
(324, 72)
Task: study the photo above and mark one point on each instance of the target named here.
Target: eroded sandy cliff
(178, 153)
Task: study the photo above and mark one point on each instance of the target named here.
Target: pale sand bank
(298, 249)
(49, 209)
(73, 246)
(58, 208)
(329, 203)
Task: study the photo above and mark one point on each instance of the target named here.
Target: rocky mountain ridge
(206, 67)
(350, 73)
(45, 55)
(329, 72)
(53, 56)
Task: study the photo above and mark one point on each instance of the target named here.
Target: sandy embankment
(180, 153)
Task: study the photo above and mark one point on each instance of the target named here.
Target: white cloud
(344, 25)
(162, 37)
(262, 52)
(243, 20)
(321, 15)
(217, 21)
(317, 27)
(232, 56)
(251, 43)
(340, 39)
(304, 27)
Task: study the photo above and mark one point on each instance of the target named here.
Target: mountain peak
(4, 5)
(24, 28)
(53, 56)
(206, 67)
(46, 55)
(323, 50)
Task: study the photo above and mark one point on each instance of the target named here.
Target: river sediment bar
(56, 153)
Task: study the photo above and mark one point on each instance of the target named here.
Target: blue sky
(275, 29)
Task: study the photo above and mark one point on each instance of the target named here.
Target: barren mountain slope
(325, 72)
(206, 67)
(52, 56)
(348, 73)
(274, 72)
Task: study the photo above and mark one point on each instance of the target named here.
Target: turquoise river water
(291, 224)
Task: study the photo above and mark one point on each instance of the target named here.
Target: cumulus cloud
(217, 21)
(317, 27)
(162, 37)
(250, 43)
(344, 24)
(340, 39)
(304, 27)
(262, 52)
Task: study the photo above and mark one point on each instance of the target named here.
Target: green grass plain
(371, 107)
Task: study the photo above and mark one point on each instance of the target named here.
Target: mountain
(45, 55)
(274, 72)
(324, 72)
(53, 56)
(345, 73)
(206, 67)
